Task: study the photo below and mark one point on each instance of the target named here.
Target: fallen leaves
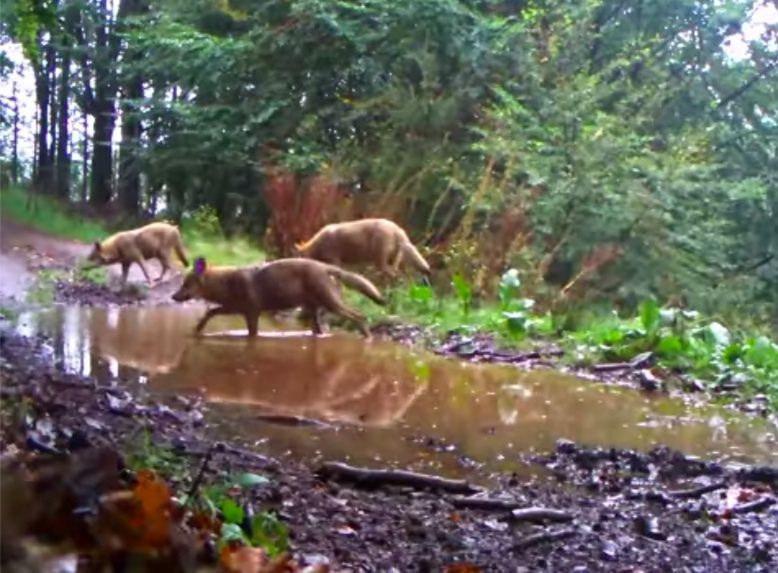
(80, 501)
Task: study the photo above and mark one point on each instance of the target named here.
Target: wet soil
(625, 509)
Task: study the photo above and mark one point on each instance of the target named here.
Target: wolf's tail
(357, 282)
(178, 246)
(415, 257)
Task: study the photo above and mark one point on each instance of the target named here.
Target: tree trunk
(15, 151)
(63, 138)
(53, 122)
(104, 110)
(85, 160)
(129, 170)
(100, 188)
(42, 89)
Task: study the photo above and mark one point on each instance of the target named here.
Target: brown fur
(154, 241)
(377, 241)
(276, 286)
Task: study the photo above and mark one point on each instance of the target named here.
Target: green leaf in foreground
(249, 480)
(233, 513)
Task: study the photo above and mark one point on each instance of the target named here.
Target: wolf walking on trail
(153, 241)
(274, 286)
(378, 241)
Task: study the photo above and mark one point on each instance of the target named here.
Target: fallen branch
(639, 361)
(611, 366)
(294, 421)
(199, 477)
(370, 477)
(540, 514)
(462, 502)
(697, 491)
(757, 505)
(543, 537)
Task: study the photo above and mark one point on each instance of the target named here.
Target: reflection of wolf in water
(338, 379)
(151, 339)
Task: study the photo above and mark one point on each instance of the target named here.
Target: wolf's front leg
(209, 314)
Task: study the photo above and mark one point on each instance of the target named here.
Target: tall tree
(15, 141)
(132, 92)
(44, 89)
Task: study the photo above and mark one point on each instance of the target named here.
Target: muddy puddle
(378, 404)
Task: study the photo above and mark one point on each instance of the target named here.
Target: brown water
(380, 400)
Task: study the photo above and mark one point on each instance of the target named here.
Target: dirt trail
(25, 250)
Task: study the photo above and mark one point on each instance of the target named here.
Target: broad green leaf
(233, 513)
(232, 532)
(248, 480)
(719, 333)
(649, 314)
(670, 346)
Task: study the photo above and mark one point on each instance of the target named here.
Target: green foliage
(605, 152)
(49, 215)
(144, 452)
(8, 313)
(263, 530)
(682, 341)
(464, 292)
(43, 288)
(202, 234)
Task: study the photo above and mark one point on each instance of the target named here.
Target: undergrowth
(682, 342)
(50, 215)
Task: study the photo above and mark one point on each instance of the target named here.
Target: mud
(398, 528)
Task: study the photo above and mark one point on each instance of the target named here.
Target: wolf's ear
(199, 265)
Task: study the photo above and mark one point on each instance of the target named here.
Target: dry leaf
(463, 568)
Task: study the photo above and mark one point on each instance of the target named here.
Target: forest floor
(599, 509)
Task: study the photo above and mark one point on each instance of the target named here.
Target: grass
(43, 289)
(8, 313)
(202, 238)
(144, 452)
(219, 250)
(49, 215)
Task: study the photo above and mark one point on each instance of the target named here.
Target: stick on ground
(544, 537)
(369, 477)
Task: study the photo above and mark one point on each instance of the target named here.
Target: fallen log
(639, 361)
(540, 514)
(543, 537)
(369, 477)
(757, 505)
(463, 502)
(293, 421)
(697, 491)
(611, 366)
